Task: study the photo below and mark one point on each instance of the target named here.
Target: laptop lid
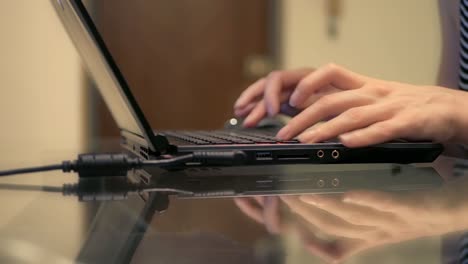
(105, 73)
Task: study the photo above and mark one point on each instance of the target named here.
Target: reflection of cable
(96, 191)
(112, 191)
(98, 165)
(24, 187)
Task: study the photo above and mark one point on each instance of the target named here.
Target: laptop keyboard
(223, 137)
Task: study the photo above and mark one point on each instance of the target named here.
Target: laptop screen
(102, 68)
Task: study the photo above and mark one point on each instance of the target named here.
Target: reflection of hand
(360, 220)
(262, 209)
(366, 110)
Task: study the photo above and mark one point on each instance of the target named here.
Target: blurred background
(187, 61)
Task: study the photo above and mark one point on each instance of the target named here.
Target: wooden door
(184, 60)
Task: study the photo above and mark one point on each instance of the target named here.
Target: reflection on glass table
(371, 206)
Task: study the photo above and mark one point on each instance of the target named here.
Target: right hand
(359, 110)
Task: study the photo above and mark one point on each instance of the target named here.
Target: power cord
(98, 165)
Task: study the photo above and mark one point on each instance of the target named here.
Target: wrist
(460, 117)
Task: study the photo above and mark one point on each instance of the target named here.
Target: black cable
(31, 170)
(101, 165)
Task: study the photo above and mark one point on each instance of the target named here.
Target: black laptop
(259, 146)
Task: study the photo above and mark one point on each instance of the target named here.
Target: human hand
(363, 110)
(270, 95)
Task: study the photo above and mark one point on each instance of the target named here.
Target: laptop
(258, 146)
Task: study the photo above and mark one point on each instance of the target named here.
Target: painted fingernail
(283, 133)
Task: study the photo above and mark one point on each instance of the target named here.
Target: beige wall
(41, 117)
(397, 40)
(41, 97)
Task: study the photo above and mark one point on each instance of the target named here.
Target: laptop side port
(144, 152)
(335, 182)
(293, 157)
(265, 183)
(320, 154)
(320, 183)
(263, 155)
(335, 154)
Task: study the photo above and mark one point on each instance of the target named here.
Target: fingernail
(283, 133)
(345, 137)
(271, 111)
(293, 99)
(237, 104)
(247, 122)
(308, 135)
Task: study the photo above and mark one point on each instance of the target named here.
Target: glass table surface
(357, 213)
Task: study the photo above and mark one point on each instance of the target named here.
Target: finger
(379, 132)
(355, 214)
(377, 200)
(260, 200)
(250, 94)
(244, 111)
(327, 106)
(335, 252)
(271, 215)
(257, 114)
(330, 251)
(275, 85)
(330, 74)
(324, 221)
(250, 208)
(350, 120)
(316, 96)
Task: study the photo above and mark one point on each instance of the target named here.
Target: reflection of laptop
(116, 241)
(259, 147)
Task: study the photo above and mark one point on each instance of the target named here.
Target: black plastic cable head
(220, 158)
(102, 165)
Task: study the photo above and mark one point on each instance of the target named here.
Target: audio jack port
(335, 154)
(335, 182)
(320, 154)
(320, 183)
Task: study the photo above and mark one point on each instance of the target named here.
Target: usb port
(264, 155)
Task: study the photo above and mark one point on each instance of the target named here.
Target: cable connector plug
(99, 165)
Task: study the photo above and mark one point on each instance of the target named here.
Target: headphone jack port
(335, 182)
(320, 154)
(335, 154)
(320, 183)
